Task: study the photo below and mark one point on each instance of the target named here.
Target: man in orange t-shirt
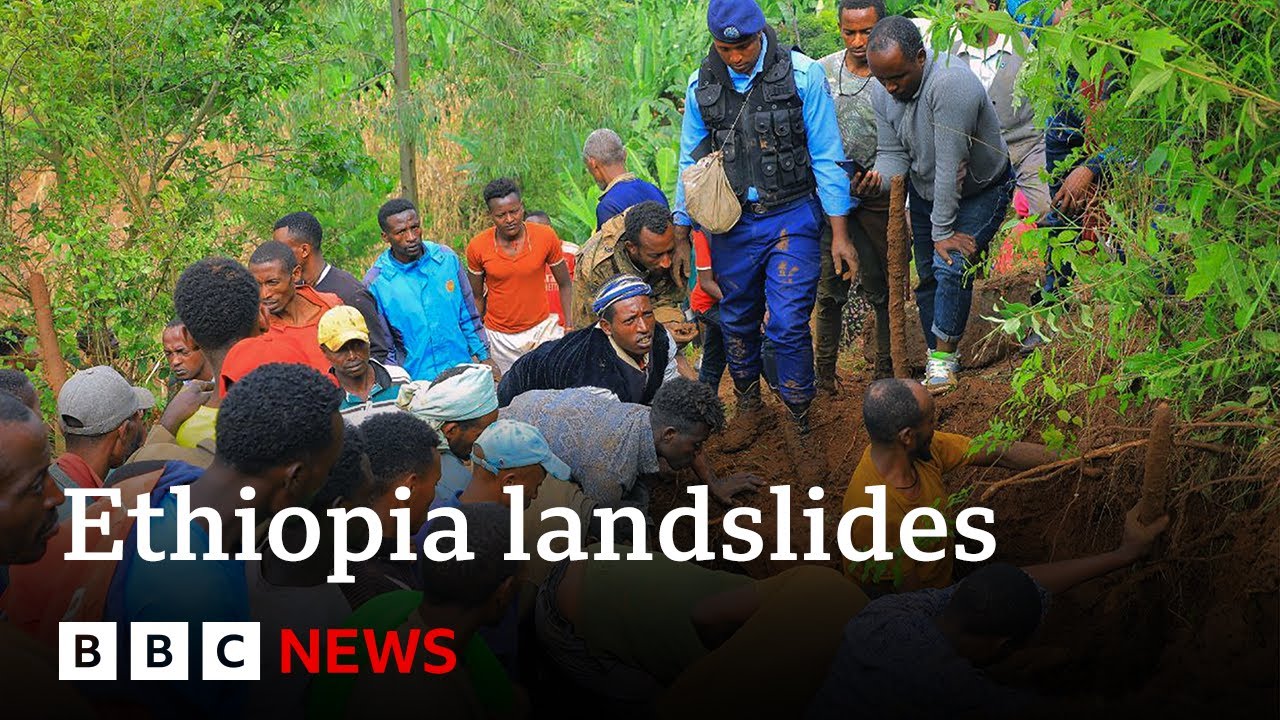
(507, 265)
(570, 257)
(909, 459)
(293, 310)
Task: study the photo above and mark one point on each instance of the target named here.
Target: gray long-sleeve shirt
(947, 137)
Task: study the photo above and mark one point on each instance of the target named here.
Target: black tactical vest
(768, 147)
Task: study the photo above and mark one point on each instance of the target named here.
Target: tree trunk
(400, 69)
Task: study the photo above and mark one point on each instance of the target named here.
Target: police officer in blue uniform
(769, 109)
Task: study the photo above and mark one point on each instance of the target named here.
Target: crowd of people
(442, 381)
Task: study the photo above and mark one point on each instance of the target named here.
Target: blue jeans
(770, 259)
(946, 291)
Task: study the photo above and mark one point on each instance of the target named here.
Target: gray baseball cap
(97, 400)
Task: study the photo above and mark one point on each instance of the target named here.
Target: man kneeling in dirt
(918, 654)
(909, 459)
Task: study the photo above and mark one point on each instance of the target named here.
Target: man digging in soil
(909, 459)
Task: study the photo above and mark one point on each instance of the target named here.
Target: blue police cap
(733, 21)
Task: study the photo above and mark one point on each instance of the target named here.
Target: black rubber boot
(749, 420)
(808, 457)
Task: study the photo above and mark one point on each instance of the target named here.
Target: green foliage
(127, 126)
(1179, 298)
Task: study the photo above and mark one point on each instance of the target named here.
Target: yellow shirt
(198, 427)
(949, 451)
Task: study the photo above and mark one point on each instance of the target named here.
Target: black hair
(278, 414)
(452, 372)
(537, 213)
(302, 226)
(274, 251)
(13, 410)
(896, 31)
(500, 188)
(877, 5)
(648, 215)
(470, 583)
(17, 384)
(998, 600)
(347, 475)
(217, 299)
(682, 403)
(889, 406)
(174, 323)
(394, 206)
(397, 443)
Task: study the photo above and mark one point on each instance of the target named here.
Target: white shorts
(506, 348)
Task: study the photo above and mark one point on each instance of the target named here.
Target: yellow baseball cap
(341, 325)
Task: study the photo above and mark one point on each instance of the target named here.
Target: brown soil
(1192, 631)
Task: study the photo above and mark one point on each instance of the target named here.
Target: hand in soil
(1138, 538)
(726, 487)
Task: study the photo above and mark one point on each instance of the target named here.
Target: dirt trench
(1194, 631)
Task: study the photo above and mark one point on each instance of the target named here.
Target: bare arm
(1014, 456)
(477, 289)
(560, 271)
(1136, 543)
(708, 283)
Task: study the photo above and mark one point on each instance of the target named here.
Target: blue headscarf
(620, 287)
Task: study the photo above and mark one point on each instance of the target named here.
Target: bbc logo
(159, 651)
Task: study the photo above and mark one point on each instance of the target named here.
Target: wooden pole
(1155, 476)
(400, 70)
(55, 368)
(898, 276)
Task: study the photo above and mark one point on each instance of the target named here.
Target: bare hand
(726, 487)
(497, 374)
(683, 332)
(183, 405)
(965, 244)
(1074, 193)
(681, 265)
(1138, 538)
(868, 184)
(845, 258)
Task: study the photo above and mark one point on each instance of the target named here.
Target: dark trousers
(713, 359)
(868, 229)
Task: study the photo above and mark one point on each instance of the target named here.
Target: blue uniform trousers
(770, 260)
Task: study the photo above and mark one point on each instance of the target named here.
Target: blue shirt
(825, 146)
(622, 193)
(194, 591)
(428, 303)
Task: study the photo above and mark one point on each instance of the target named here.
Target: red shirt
(515, 289)
(78, 470)
(570, 251)
(699, 300)
(275, 346)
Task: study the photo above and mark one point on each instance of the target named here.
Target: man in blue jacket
(423, 292)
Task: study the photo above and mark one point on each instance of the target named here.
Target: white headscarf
(465, 396)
